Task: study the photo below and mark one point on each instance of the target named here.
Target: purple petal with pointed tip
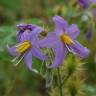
(35, 35)
(12, 51)
(37, 30)
(60, 53)
(73, 31)
(49, 41)
(36, 52)
(28, 59)
(78, 49)
(60, 25)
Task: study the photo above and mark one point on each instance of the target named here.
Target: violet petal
(79, 50)
(38, 53)
(49, 41)
(60, 25)
(12, 50)
(73, 31)
(28, 59)
(60, 54)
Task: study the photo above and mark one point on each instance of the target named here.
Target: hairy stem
(60, 82)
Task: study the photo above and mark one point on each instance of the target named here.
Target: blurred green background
(19, 81)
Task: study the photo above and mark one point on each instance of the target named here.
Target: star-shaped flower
(28, 47)
(63, 40)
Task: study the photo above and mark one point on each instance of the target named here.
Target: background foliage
(19, 81)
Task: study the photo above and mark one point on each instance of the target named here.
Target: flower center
(66, 39)
(24, 47)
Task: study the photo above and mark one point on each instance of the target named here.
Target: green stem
(65, 79)
(60, 82)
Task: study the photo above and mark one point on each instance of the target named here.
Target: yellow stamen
(24, 47)
(66, 39)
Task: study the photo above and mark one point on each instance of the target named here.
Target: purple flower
(63, 40)
(27, 48)
(85, 3)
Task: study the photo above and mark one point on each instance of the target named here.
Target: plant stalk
(60, 82)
